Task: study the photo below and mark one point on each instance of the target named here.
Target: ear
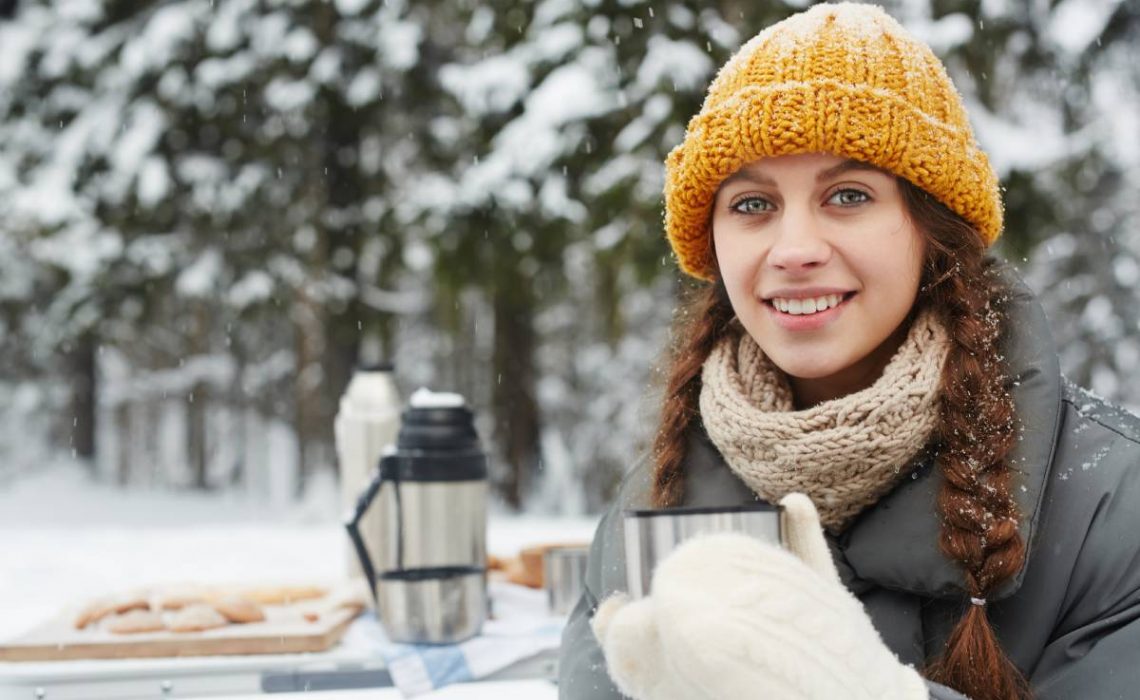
(631, 644)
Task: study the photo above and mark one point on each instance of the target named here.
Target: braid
(703, 320)
(976, 432)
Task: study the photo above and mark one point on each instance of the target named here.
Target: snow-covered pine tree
(216, 172)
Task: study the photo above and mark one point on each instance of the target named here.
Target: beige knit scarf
(846, 453)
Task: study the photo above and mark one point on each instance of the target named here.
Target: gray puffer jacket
(1070, 619)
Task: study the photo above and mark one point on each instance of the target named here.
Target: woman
(977, 516)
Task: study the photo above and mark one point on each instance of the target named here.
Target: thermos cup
(563, 576)
(428, 567)
(651, 535)
(366, 423)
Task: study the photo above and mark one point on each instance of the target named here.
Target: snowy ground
(65, 538)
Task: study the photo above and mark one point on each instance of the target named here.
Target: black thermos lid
(437, 428)
(436, 443)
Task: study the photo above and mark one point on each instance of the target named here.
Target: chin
(811, 372)
(805, 366)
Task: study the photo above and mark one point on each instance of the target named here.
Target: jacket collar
(894, 544)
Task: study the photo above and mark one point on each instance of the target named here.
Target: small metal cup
(651, 535)
(564, 570)
(444, 605)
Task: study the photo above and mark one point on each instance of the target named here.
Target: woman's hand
(733, 617)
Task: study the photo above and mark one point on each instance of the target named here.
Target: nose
(799, 244)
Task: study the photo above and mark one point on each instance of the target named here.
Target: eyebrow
(746, 173)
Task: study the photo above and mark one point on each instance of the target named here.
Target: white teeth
(799, 307)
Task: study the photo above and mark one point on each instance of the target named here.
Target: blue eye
(751, 205)
(849, 197)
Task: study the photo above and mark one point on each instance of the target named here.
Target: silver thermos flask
(427, 569)
(366, 423)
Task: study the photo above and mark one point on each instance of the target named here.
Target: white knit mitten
(733, 617)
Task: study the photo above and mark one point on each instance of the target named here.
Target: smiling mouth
(809, 306)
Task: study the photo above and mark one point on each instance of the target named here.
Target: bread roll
(239, 609)
(135, 622)
(196, 618)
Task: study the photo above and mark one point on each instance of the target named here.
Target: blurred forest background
(212, 210)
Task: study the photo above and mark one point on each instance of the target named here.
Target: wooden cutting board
(284, 631)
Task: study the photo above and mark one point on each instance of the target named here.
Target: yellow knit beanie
(841, 78)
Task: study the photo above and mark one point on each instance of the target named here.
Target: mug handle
(352, 525)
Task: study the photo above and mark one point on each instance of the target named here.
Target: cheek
(737, 261)
(893, 261)
(912, 261)
(739, 282)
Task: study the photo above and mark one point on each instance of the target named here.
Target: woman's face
(822, 265)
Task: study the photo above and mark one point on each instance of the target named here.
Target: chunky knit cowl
(845, 453)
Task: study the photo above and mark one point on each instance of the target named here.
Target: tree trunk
(197, 404)
(514, 395)
(608, 300)
(308, 418)
(196, 436)
(123, 431)
(344, 191)
(238, 407)
(339, 362)
(83, 398)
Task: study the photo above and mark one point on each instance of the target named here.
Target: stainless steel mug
(651, 535)
(428, 567)
(563, 575)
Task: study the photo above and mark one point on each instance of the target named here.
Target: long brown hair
(976, 431)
